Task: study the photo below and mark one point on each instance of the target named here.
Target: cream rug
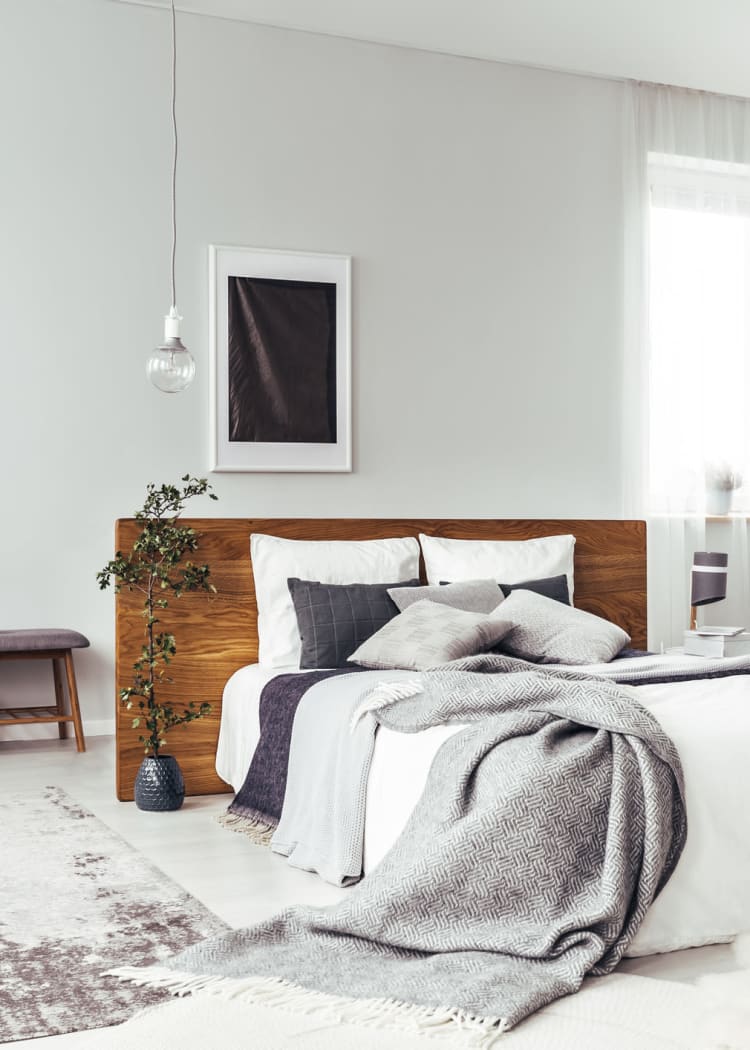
(75, 900)
(619, 1012)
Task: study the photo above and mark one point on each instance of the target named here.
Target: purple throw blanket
(261, 796)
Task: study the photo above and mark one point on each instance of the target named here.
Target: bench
(57, 645)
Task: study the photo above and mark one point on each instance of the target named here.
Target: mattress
(240, 726)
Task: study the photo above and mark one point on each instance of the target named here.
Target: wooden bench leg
(62, 727)
(73, 694)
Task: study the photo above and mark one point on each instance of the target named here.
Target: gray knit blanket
(546, 829)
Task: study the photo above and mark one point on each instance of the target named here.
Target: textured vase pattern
(159, 785)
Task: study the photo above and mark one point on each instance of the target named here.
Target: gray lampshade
(708, 578)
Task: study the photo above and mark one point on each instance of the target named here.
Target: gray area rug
(75, 899)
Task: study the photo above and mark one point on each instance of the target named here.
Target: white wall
(481, 205)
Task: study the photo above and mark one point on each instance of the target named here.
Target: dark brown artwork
(282, 360)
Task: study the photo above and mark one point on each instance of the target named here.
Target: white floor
(237, 880)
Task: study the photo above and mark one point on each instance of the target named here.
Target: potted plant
(156, 566)
(721, 482)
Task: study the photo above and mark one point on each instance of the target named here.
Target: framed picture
(280, 338)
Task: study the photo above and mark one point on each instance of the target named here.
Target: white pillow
(275, 560)
(506, 561)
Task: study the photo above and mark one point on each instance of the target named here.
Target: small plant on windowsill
(722, 480)
(156, 567)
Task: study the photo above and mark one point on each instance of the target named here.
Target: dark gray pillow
(555, 587)
(335, 618)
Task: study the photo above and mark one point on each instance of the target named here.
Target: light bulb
(170, 366)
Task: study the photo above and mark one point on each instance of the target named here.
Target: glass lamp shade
(171, 366)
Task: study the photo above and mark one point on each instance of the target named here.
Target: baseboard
(99, 727)
(47, 731)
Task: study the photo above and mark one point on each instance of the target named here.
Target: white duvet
(706, 901)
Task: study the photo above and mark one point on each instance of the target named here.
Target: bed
(694, 713)
(708, 721)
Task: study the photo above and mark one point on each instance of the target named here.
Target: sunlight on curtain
(698, 379)
(685, 374)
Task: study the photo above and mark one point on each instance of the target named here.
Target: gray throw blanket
(322, 825)
(547, 828)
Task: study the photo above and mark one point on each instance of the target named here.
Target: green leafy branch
(154, 566)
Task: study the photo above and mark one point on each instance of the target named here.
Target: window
(699, 327)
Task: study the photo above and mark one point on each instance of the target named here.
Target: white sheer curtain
(687, 336)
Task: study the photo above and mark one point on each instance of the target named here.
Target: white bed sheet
(706, 901)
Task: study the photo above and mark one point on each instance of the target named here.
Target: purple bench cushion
(41, 638)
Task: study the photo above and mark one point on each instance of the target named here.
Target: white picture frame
(265, 265)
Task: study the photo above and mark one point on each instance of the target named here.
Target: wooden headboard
(217, 634)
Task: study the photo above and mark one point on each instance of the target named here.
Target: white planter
(719, 501)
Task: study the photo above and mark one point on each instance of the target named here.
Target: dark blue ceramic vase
(158, 784)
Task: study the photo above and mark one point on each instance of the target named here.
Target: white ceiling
(693, 43)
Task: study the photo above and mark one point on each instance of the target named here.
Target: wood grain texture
(217, 634)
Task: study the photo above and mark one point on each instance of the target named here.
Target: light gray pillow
(427, 634)
(548, 632)
(477, 596)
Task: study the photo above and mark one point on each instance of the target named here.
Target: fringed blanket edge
(277, 992)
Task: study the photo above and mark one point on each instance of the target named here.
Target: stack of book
(717, 642)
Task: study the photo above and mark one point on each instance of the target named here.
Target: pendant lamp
(171, 366)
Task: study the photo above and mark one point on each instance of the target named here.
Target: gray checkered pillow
(548, 632)
(427, 634)
(334, 618)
